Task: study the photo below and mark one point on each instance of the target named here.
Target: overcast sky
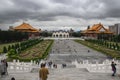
(59, 14)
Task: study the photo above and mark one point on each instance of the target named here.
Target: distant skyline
(59, 14)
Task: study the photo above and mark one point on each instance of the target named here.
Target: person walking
(54, 65)
(50, 64)
(6, 66)
(2, 68)
(12, 78)
(113, 65)
(88, 51)
(43, 72)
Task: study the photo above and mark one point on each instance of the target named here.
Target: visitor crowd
(49, 64)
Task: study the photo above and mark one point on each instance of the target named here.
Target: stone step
(63, 74)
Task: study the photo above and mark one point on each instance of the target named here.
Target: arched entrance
(60, 36)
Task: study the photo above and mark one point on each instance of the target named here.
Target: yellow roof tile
(27, 27)
(95, 29)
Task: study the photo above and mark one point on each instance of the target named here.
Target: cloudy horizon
(59, 14)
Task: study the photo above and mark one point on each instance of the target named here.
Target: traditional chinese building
(96, 31)
(32, 32)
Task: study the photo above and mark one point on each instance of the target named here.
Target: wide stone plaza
(66, 51)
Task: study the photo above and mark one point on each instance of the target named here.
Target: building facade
(95, 31)
(60, 34)
(115, 29)
(24, 27)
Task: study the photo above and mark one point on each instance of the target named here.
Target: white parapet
(17, 66)
(104, 67)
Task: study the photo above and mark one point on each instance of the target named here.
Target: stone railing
(17, 66)
(3, 56)
(104, 67)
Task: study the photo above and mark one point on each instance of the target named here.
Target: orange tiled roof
(26, 27)
(96, 29)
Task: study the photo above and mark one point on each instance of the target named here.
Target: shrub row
(16, 56)
(110, 45)
(18, 48)
(47, 50)
(105, 50)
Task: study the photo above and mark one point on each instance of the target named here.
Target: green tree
(11, 53)
(4, 49)
(117, 46)
(9, 47)
(13, 47)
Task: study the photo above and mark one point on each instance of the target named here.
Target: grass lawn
(35, 52)
(107, 51)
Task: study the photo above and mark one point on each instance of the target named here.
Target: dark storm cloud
(20, 10)
(27, 4)
(50, 10)
(106, 8)
(112, 8)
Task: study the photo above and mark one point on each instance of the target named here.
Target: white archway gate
(60, 34)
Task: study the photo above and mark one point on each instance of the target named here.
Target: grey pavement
(68, 51)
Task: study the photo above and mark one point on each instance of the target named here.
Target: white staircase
(64, 74)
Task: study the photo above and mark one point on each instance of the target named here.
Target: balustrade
(21, 66)
(104, 67)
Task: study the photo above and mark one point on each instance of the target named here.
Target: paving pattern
(68, 51)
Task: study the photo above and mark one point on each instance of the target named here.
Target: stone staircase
(78, 74)
(62, 74)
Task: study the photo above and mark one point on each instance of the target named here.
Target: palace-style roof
(25, 28)
(97, 28)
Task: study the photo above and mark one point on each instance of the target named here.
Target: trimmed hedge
(107, 44)
(35, 58)
(47, 50)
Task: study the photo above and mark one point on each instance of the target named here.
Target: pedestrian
(113, 65)
(43, 72)
(50, 64)
(6, 66)
(63, 65)
(54, 65)
(88, 51)
(12, 78)
(38, 61)
(2, 68)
